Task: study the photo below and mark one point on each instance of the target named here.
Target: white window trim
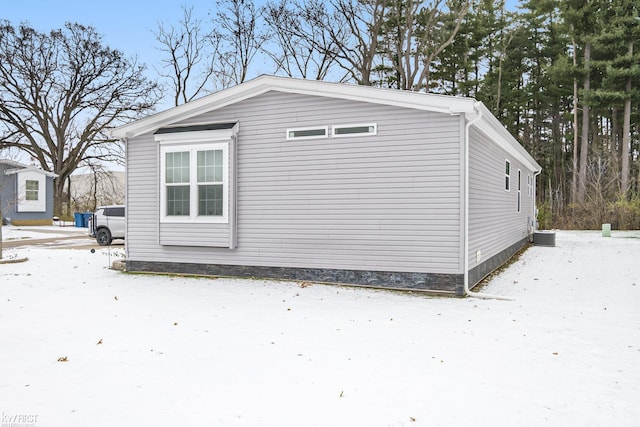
(296, 138)
(356, 125)
(507, 176)
(24, 205)
(194, 142)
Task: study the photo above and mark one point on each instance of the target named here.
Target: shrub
(545, 216)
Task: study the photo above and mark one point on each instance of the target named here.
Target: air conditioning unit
(544, 238)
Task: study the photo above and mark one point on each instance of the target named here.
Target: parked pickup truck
(107, 223)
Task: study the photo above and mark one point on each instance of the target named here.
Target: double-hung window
(210, 177)
(195, 184)
(194, 176)
(31, 189)
(507, 175)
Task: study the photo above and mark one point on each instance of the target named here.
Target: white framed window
(32, 188)
(195, 173)
(340, 131)
(31, 195)
(519, 192)
(194, 183)
(529, 185)
(307, 133)
(507, 175)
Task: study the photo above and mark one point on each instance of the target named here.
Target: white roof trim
(491, 126)
(262, 84)
(30, 169)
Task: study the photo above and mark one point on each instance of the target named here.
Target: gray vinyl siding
(9, 198)
(143, 195)
(494, 223)
(389, 202)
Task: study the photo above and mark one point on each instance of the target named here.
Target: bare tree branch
(238, 23)
(61, 94)
(416, 33)
(190, 53)
(308, 56)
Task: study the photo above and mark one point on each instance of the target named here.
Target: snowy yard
(83, 345)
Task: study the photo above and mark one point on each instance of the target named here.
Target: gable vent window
(308, 133)
(355, 130)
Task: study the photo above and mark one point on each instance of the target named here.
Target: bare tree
(302, 50)
(98, 187)
(238, 23)
(190, 53)
(61, 93)
(351, 27)
(416, 32)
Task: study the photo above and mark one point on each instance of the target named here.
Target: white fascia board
(491, 126)
(262, 84)
(197, 136)
(30, 169)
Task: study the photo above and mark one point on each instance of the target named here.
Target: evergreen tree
(584, 22)
(621, 68)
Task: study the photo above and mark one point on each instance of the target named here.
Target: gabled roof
(19, 167)
(263, 84)
(406, 99)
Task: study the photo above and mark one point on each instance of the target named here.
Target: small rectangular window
(355, 130)
(507, 175)
(307, 133)
(32, 188)
(519, 192)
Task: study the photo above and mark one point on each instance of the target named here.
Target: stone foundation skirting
(379, 279)
(480, 271)
(448, 283)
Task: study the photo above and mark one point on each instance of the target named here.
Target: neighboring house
(26, 192)
(308, 180)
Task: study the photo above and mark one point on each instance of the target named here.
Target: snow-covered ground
(83, 345)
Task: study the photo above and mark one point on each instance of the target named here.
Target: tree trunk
(58, 196)
(626, 136)
(584, 144)
(574, 174)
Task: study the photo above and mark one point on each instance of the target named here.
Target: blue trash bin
(85, 218)
(79, 219)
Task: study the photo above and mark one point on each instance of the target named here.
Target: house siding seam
(388, 202)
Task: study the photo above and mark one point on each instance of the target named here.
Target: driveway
(50, 237)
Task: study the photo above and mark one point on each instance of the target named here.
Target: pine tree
(583, 18)
(621, 68)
